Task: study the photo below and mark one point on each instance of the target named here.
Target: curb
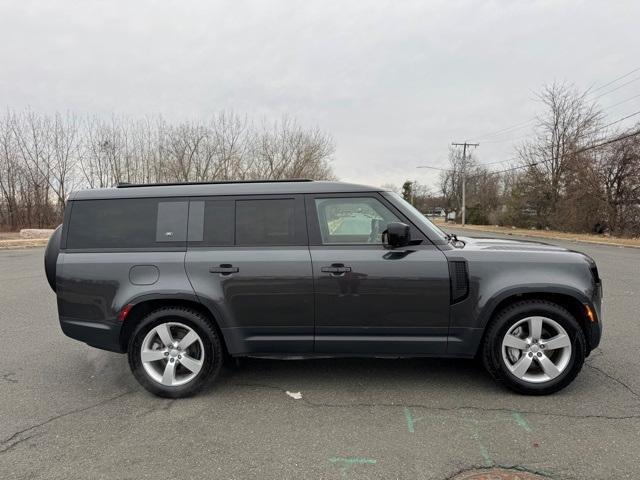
(18, 245)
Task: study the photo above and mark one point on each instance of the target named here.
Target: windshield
(416, 216)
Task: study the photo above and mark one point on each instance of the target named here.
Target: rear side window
(127, 223)
(267, 222)
(211, 222)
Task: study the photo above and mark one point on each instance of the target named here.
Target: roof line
(220, 182)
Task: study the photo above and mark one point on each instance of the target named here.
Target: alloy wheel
(536, 349)
(172, 354)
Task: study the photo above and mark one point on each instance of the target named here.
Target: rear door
(248, 260)
(369, 299)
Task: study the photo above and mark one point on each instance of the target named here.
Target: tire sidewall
(510, 317)
(210, 343)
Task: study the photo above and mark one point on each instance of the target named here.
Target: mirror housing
(396, 235)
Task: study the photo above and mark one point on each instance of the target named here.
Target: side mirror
(396, 235)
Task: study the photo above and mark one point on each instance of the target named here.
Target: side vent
(458, 280)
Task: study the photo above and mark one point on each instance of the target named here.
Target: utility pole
(464, 175)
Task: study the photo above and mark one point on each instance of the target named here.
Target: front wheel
(175, 352)
(534, 347)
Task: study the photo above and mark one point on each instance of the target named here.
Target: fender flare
(489, 308)
(215, 313)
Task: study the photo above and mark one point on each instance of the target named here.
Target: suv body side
(287, 298)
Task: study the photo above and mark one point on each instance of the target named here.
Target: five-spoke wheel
(172, 354)
(534, 347)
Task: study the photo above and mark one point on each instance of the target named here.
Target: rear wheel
(175, 352)
(534, 347)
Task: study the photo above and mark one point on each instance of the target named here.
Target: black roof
(221, 188)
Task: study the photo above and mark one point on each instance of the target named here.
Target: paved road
(69, 411)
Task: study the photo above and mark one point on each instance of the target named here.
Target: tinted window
(266, 222)
(172, 217)
(127, 223)
(353, 220)
(211, 222)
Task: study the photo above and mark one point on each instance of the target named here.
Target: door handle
(224, 269)
(336, 269)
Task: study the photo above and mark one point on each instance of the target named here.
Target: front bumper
(593, 334)
(593, 330)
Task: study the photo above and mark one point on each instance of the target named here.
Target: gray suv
(184, 276)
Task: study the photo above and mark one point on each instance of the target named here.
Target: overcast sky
(393, 82)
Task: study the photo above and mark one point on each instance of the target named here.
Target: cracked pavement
(69, 411)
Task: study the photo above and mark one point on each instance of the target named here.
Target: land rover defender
(182, 277)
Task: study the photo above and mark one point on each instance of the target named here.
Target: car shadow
(424, 374)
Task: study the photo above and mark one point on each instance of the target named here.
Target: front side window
(353, 220)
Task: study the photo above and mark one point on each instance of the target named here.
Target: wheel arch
(147, 304)
(573, 301)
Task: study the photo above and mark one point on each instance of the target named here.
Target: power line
(512, 127)
(517, 126)
(499, 161)
(604, 110)
(617, 88)
(580, 150)
(616, 121)
(620, 103)
(435, 168)
(615, 80)
(599, 129)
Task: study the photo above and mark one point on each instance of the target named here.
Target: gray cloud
(393, 82)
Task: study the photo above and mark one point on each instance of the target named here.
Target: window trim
(300, 220)
(313, 220)
(202, 243)
(169, 246)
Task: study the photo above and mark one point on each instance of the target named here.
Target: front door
(248, 260)
(370, 299)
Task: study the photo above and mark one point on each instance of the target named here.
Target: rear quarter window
(127, 224)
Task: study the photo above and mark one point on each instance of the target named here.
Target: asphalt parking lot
(69, 411)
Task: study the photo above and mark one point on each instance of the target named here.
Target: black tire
(213, 351)
(502, 323)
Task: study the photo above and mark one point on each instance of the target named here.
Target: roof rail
(221, 182)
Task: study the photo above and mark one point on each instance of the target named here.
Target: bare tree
(617, 176)
(33, 135)
(65, 154)
(43, 157)
(286, 150)
(569, 121)
(451, 181)
(10, 173)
